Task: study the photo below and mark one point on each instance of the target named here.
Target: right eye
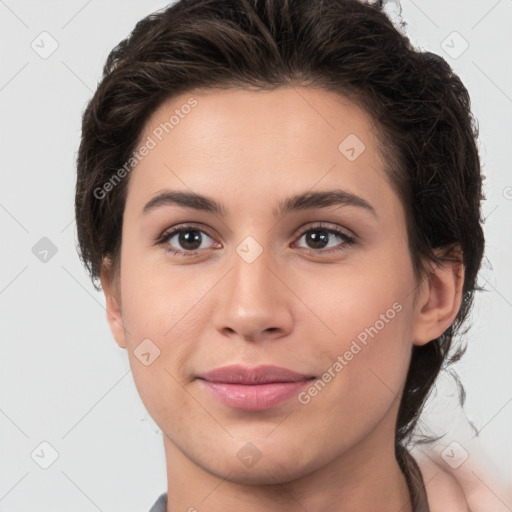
(189, 239)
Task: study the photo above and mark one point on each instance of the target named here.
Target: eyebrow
(303, 201)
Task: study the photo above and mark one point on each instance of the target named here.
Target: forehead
(252, 142)
(285, 117)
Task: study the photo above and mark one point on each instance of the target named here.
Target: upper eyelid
(325, 225)
(177, 229)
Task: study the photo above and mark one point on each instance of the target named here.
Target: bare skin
(296, 305)
(474, 486)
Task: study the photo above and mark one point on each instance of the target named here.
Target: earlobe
(110, 285)
(439, 301)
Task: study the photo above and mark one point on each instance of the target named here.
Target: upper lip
(239, 374)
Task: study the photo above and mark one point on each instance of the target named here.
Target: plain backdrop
(67, 398)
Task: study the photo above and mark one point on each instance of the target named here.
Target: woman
(281, 201)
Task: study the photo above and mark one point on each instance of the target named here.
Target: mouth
(253, 389)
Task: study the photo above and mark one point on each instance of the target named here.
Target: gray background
(64, 381)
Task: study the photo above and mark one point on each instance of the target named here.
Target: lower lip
(254, 397)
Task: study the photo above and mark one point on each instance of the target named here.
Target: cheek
(364, 366)
(365, 339)
(355, 303)
(160, 347)
(157, 299)
(164, 316)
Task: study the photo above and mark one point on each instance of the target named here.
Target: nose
(254, 301)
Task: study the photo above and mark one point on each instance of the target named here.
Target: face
(322, 287)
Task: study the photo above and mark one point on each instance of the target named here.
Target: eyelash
(347, 239)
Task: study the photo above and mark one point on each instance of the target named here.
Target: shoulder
(443, 490)
(472, 487)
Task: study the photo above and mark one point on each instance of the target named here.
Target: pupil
(315, 240)
(185, 239)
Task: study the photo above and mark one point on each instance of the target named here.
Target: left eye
(318, 238)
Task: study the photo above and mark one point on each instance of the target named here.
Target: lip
(253, 389)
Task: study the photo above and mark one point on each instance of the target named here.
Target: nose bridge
(251, 278)
(252, 303)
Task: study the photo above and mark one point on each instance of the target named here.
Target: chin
(262, 473)
(249, 466)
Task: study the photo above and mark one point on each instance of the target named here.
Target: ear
(110, 283)
(439, 298)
